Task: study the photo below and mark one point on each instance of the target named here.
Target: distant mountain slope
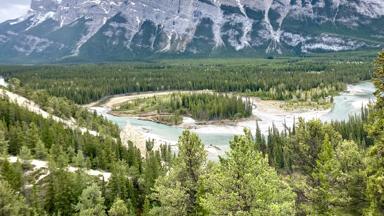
(124, 29)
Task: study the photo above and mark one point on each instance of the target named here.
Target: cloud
(13, 9)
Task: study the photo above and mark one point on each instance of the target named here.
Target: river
(217, 137)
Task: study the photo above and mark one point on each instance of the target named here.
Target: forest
(200, 106)
(314, 168)
(301, 79)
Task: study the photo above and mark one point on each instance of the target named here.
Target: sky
(10, 9)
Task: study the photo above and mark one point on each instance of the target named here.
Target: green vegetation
(302, 79)
(244, 183)
(375, 159)
(66, 109)
(55, 190)
(314, 168)
(200, 106)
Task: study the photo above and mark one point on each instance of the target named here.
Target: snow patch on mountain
(370, 8)
(331, 43)
(261, 25)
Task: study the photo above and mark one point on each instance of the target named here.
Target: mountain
(55, 30)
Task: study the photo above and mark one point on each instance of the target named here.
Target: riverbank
(283, 108)
(267, 113)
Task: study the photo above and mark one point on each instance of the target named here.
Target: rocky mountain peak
(44, 5)
(123, 29)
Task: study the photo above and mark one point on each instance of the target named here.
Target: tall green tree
(91, 202)
(40, 151)
(375, 155)
(243, 183)
(3, 141)
(32, 136)
(325, 170)
(13, 174)
(10, 202)
(120, 185)
(119, 208)
(177, 192)
(152, 169)
(307, 141)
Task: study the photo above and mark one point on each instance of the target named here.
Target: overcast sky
(10, 9)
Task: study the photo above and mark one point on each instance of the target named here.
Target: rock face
(54, 30)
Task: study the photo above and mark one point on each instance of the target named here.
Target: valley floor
(268, 113)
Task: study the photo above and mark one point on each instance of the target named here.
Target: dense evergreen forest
(200, 106)
(64, 108)
(282, 79)
(314, 168)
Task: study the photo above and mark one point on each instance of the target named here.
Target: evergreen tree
(13, 174)
(307, 141)
(260, 140)
(11, 203)
(244, 184)
(375, 155)
(351, 182)
(177, 192)
(3, 141)
(32, 136)
(91, 202)
(119, 184)
(118, 208)
(25, 153)
(40, 151)
(152, 170)
(146, 207)
(79, 160)
(325, 171)
(338, 180)
(63, 189)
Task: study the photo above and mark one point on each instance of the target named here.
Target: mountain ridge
(54, 30)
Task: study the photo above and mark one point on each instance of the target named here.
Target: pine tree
(177, 192)
(152, 170)
(32, 136)
(40, 151)
(91, 202)
(10, 202)
(375, 156)
(260, 140)
(3, 144)
(244, 184)
(307, 141)
(118, 208)
(351, 182)
(146, 207)
(63, 189)
(13, 174)
(118, 184)
(325, 171)
(25, 153)
(79, 160)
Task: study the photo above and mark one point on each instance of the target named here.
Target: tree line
(200, 106)
(281, 79)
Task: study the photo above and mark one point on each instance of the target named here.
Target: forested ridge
(281, 79)
(314, 168)
(65, 109)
